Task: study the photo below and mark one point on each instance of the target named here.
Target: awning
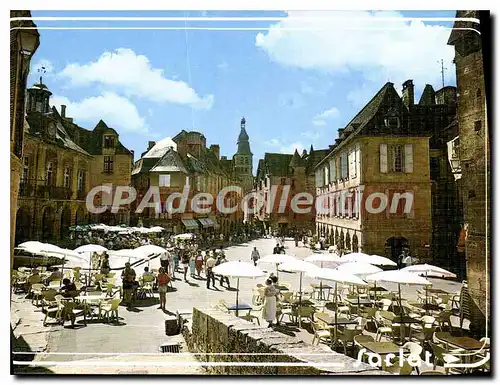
(190, 224)
(206, 222)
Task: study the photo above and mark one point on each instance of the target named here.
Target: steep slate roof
(62, 139)
(170, 162)
(160, 148)
(296, 161)
(428, 95)
(277, 164)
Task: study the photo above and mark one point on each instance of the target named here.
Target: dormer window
(392, 119)
(109, 141)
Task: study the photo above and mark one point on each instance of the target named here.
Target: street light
(28, 41)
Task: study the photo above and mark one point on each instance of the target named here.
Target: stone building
(474, 164)
(391, 157)
(23, 44)
(61, 163)
(276, 171)
(174, 164)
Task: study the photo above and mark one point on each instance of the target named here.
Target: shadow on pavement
(21, 346)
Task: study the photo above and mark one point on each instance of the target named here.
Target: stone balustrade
(222, 339)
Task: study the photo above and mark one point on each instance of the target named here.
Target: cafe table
(463, 342)
(241, 306)
(330, 320)
(360, 301)
(84, 299)
(320, 288)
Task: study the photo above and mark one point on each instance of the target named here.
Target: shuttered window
(333, 170)
(344, 166)
(383, 158)
(408, 158)
(326, 174)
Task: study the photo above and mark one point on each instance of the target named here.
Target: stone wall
(258, 350)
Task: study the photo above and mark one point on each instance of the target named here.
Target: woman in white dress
(270, 298)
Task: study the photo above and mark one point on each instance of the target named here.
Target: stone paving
(127, 346)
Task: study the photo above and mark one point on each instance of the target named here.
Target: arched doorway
(65, 223)
(23, 225)
(394, 247)
(80, 216)
(48, 218)
(355, 245)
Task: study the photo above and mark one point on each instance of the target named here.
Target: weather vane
(41, 70)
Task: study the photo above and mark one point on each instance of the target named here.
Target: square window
(478, 125)
(164, 180)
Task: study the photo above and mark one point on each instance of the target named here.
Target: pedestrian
(199, 263)
(270, 298)
(164, 261)
(209, 264)
(255, 256)
(185, 262)
(128, 279)
(163, 280)
(105, 268)
(192, 265)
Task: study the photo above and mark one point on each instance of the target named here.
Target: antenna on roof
(443, 68)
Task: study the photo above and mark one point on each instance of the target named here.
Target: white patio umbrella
(331, 258)
(184, 236)
(90, 249)
(401, 278)
(147, 251)
(35, 247)
(298, 266)
(359, 268)
(156, 229)
(276, 259)
(238, 269)
(373, 259)
(335, 276)
(429, 271)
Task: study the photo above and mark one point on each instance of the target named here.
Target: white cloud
(360, 41)
(312, 135)
(223, 65)
(290, 148)
(44, 64)
(117, 111)
(321, 119)
(133, 74)
(285, 148)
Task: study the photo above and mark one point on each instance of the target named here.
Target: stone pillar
(15, 176)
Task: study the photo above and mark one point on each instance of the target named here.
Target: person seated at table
(222, 259)
(68, 289)
(56, 275)
(105, 268)
(128, 279)
(148, 273)
(277, 249)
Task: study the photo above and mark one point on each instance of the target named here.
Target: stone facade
(475, 164)
(224, 338)
(387, 149)
(61, 163)
(20, 58)
(180, 162)
(276, 171)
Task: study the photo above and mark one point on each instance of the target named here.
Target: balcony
(47, 192)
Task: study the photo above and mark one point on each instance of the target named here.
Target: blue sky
(296, 80)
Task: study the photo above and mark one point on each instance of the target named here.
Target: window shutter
(333, 170)
(383, 158)
(408, 158)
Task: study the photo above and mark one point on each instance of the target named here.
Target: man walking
(210, 263)
(255, 256)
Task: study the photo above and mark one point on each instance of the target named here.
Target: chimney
(151, 144)
(63, 111)
(408, 93)
(215, 148)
